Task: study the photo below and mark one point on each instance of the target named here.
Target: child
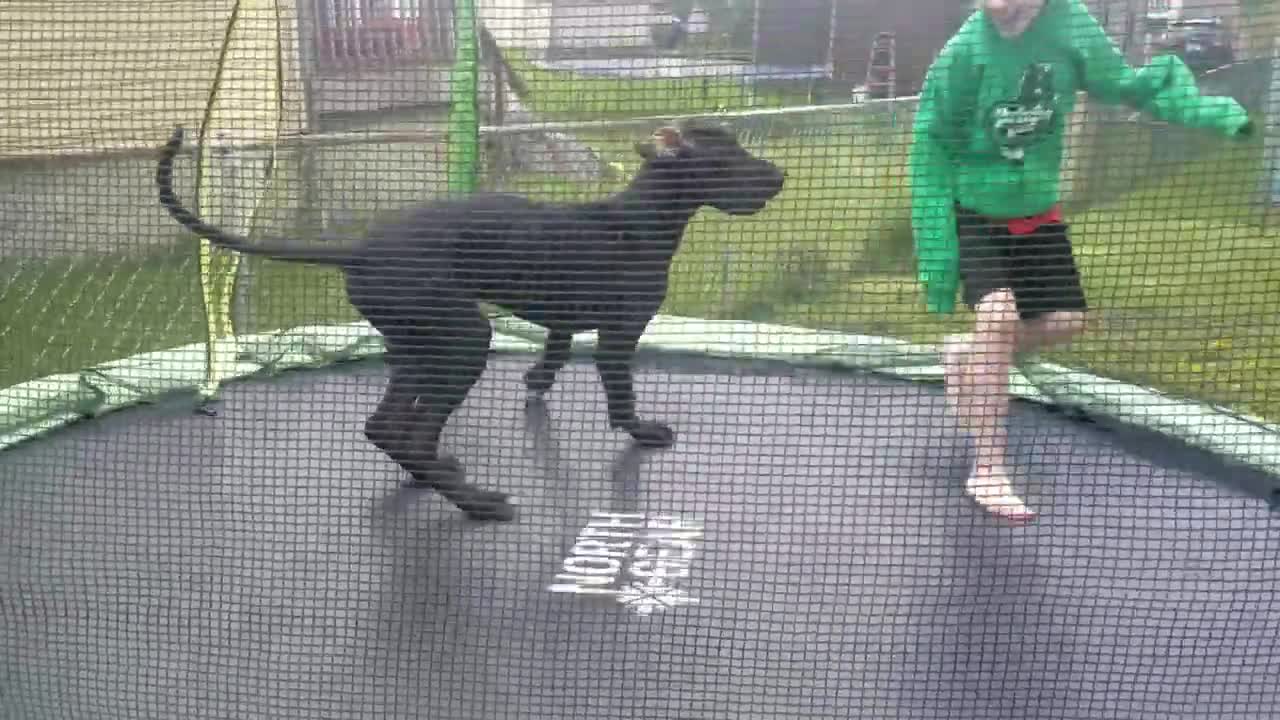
(985, 164)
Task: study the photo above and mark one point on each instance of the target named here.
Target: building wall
(585, 24)
(518, 23)
(88, 93)
(78, 76)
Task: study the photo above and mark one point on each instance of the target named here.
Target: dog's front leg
(614, 355)
(542, 376)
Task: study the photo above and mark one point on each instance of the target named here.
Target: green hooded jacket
(988, 133)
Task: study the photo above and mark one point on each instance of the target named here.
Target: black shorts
(1038, 267)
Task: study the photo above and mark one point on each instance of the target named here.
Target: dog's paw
(539, 380)
(486, 505)
(652, 434)
(444, 475)
(447, 477)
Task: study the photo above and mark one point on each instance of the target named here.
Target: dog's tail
(276, 249)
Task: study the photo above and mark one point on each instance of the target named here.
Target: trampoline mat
(814, 555)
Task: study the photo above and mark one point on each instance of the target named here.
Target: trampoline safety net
(550, 359)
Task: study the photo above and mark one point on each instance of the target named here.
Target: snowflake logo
(646, 598)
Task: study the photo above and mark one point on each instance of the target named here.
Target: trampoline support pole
(1271, 139)
(246, 104)
(463, 146)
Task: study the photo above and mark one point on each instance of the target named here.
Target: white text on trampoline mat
(633, 558)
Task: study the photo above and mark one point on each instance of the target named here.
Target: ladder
(882, 73)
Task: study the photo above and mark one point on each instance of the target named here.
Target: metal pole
(1271, 140)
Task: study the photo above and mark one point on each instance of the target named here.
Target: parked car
(1203, 43)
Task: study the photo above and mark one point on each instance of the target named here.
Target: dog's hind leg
(542, 376)
(386, 427)
(438, 364)
(615, 352)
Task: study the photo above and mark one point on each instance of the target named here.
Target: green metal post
(464, 113)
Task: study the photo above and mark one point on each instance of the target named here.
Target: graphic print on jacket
(1019, 122)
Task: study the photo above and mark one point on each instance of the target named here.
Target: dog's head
(703, 164)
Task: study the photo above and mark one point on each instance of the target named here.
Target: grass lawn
(1180, 271)
(63, 315)
(558, 95)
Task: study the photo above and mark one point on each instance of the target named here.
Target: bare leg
(977, 368)
(995, 340)
(1048, 330)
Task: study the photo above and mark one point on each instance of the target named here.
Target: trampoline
(813, 552)
(806, 548)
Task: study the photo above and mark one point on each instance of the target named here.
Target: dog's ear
(667, 142)
(667, 138)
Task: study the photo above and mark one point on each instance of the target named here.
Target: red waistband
(1028, 225)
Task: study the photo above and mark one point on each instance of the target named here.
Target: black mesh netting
(669, 415)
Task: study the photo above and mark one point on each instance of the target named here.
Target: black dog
(599, 265)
